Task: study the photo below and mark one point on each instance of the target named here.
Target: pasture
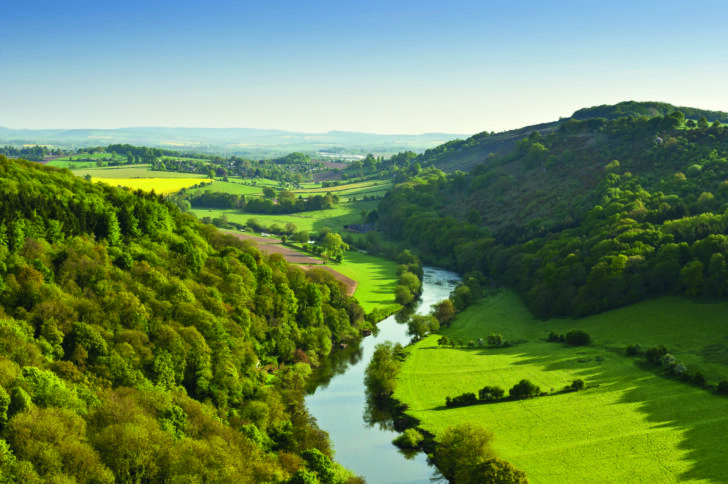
(377, 278)
(632, 425)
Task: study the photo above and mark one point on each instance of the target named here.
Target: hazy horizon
(386, 68)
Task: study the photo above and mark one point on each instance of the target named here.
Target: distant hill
(258, 143)
(580, 215)
(464, 154)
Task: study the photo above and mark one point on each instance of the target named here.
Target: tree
(702, 122)
(495, 471)
(269, 192)
(490, 393)
(577, 337)
(445, 312)
(524, 389)
(333, 245)
(381, 374)
(460, 449)
(418, 325)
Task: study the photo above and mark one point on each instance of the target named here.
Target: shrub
(489, 394)
(523, 389)
(471, 344)
(668, 361)
(577, 385)
(553, 337)
(655, 354)
(634, 350)
(461, 400)
(577, 337)
(723, 387)
(494, 340)
(699, 378)
(679, 369)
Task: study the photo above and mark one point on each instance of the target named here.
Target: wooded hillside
(134, 342)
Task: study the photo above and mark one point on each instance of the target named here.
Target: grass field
(377, 278)
(343, 213)
(159, 185)
(635, 426)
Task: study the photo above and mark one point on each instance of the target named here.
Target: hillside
(592, 215)
(139, 345)
(464, 154)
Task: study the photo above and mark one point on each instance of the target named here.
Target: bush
(655, 354)
(494, 340)
(461, 400)
(524, 389)
(409, 439)
(489, 394)
(723, 387)
(577, 337)
(634, 350)
(577, 385)
(553, 337)
(679, 369)
(699, 378)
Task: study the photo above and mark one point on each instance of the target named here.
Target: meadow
(631, 425)
(343, 213)
(377, 278)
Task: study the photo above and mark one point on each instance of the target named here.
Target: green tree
(381, 373)
(461, 448)
(333, 245)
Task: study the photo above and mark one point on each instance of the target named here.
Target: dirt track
(272, 245)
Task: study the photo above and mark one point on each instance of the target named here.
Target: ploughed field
(632, 424)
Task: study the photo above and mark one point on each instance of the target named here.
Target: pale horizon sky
(390, 67)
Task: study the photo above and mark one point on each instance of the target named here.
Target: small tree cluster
(575, 337)
(461, 400)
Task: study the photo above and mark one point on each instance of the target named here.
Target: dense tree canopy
(135, 342)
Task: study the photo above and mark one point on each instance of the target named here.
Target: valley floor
(631, 425)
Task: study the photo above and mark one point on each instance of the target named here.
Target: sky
(390, 67)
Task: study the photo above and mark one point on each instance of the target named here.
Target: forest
(593, 216)
(138, 343)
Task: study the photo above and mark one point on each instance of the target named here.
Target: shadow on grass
(698, 414)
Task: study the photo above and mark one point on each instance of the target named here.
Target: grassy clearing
(159, 185)
(377, 279)
(636, 426)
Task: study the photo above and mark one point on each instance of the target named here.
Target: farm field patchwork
(133, 171)
(632, 425)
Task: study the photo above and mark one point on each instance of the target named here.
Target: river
(339, 401)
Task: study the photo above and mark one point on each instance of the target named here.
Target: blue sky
(375, 66)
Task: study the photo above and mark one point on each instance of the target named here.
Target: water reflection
(362, 434)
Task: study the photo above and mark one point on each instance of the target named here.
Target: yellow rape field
(159, 185)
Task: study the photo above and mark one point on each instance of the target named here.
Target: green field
(343, 213)
(377, 278)
(633, 425)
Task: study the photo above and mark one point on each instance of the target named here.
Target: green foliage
(409, 439)
(144, 335)
(523, 389)
(577, 337)
(461, 448)
(490, 393)
(381, 373)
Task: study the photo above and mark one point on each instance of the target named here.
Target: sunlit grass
(635, 426)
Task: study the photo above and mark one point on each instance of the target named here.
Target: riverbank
(339, 402)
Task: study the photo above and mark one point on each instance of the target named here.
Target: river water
(339, 401)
